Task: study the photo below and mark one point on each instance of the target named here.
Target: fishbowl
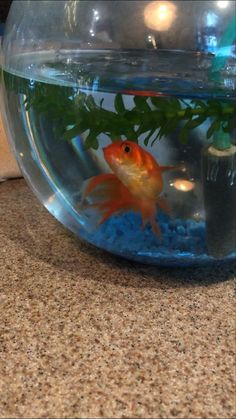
(122, 117)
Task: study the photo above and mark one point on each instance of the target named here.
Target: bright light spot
(183, 185)
(95, 12)
(159, 15)
(197, 216)
(163, 8)
(21, 154)
(51, 199)
(222, 4)
(162, 16)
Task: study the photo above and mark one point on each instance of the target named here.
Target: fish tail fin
(107, 194)
(95, 181)
(112, 208)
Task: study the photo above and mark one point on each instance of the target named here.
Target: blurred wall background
(8, 165)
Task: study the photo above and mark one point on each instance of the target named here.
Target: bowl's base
(182, 243)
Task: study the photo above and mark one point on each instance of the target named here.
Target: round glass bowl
(121, 115)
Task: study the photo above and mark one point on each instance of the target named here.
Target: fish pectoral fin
(162, 204)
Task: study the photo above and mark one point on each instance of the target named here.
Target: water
(63, 108)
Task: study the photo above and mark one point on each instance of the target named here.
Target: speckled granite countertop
(85, 334)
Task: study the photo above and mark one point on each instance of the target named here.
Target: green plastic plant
(77, 113)
(153, 116)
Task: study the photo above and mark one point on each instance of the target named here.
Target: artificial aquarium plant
(152, 117)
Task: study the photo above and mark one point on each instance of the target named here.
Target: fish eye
(127, 148)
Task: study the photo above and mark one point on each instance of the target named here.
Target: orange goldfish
(135, 184)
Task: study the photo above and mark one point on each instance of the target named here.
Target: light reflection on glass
(51, 198)
(159, 15)
(152, 41)
(95, 18)
(183, 185)
(222, 4)
(70, 14)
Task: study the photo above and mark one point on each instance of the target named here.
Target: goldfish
(135, 183)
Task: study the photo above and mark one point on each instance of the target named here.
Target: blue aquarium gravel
(182, 243)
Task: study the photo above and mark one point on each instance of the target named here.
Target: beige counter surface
(8, 165)
(85, 334)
